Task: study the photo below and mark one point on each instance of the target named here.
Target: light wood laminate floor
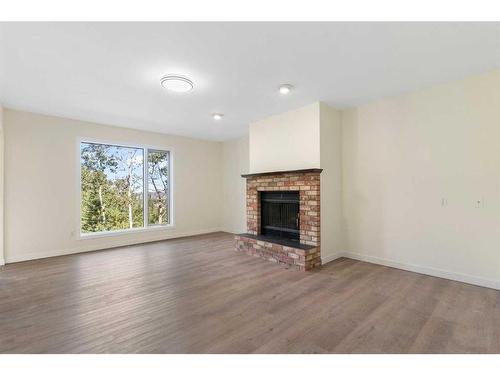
(197, 295)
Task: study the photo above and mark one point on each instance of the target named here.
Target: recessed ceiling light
(217, 116)
(285, 89)
(176, 83)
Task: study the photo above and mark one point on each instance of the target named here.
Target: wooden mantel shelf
(312, 170)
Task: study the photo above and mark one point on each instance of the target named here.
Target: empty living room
(322, 189)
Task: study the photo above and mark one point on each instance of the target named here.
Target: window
(123, 187)
(157, 187)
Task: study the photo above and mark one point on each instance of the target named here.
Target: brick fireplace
(283, 226)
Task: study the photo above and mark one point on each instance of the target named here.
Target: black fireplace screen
(280, 214)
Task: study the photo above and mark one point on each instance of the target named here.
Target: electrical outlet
(444, 202)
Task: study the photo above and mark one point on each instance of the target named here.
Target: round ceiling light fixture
(217, 116)
(285, 89)
(176, 83)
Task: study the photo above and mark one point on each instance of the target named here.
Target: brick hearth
(307, 182)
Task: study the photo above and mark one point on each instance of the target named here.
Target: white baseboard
(232, 231)
(330, 258)
(128, 242)
(2, 261)
(469, 279)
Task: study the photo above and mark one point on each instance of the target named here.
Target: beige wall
(236, 163)
(286, 141)
(2, 258)
(402, 156)
(332, 234)
(41, 202)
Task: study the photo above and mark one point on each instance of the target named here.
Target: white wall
(236, 163)
(41, 202)
(286, 141)
(402, 156)
(332, 233)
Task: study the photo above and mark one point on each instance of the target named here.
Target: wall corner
(2, 241)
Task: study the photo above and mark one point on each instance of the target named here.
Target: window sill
(121, 232)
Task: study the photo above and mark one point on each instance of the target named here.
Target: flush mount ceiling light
(285, 89)
(176, 83)
(217, 116)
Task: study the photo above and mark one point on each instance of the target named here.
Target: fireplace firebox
(280, 214)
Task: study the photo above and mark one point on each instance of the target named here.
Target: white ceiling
(109, 72)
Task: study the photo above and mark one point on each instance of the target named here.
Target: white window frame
(146, 226)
